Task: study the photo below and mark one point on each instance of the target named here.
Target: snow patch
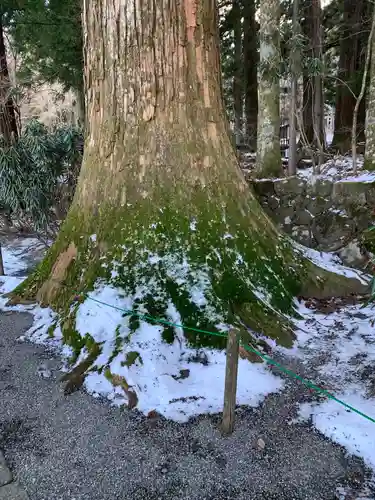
(14, 255)
(168, 378)
(343, 426)
(331, 262)
(340, 345)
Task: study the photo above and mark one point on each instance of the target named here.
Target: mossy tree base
(162, 211)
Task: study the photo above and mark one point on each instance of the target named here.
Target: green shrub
(34, 169)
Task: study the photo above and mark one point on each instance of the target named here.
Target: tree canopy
(48, 38)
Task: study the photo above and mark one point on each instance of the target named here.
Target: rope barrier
(248, 348)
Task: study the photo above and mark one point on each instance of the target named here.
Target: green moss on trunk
(211, 265)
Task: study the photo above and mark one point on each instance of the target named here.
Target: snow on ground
(169, 378)
(16, 258)
(175, 380)
(15, 254)
(179, 382)
(339, 168)
(341, 347)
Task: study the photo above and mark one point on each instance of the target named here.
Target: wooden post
(230, 390)
(1, 263)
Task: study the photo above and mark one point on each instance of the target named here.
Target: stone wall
(323, 214)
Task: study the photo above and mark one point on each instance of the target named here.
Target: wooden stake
(1, 262)
(230, 390)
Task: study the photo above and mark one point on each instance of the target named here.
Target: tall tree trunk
(238, 72)
(369, 163)
(162, 213)
(251, 59)
(318, 103)
(295, 73)
(308, 108)
(313, 112)
(354, 37)
(8, 122)
(268, 161)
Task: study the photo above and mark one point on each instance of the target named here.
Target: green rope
(265, 358)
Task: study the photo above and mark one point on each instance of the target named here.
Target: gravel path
(79, 448)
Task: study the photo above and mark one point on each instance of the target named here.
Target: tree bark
(162, 213)
(308, 113)
(238, 72)
(355, 32)
(313, 104)
(369, 163)
(318, 103)
(295, 72)
(80, 118)
(251, 60)
(8, 122)
(268, 160)
(308, 107)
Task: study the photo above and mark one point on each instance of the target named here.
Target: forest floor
(292, 445)
(337, 167)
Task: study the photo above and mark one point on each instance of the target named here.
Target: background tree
(268, 160)
(369, 163)
(8, 122)
(48, 38)
(238, 94)
(251, 61)
(294, 77)
(354, 32)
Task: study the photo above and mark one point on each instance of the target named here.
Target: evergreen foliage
(33, 168)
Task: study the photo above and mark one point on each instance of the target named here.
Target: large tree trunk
(251, 58)
(354, 37)
(238, 72)
(162, 211)
(268, 160)
(8, 122)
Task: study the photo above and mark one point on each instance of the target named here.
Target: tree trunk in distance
(369, 163)
(318, 103)
(238, 72)
(307, 111)
(295, 70)
(8, 121)
(251, 60)
(354, 37)
(162, 212)
(268, 159)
